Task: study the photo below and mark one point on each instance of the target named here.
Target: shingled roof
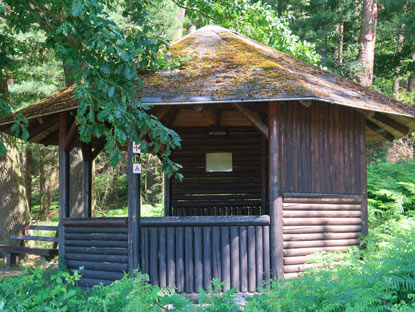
(226, 67)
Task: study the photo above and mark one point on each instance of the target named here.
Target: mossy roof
(226, 67)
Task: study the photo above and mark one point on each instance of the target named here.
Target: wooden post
(275, 199)
(167, 188)
(87, 179)
(134, 230)
(64, 170)
(364, 214)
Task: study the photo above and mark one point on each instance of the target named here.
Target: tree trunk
(42, 181)
(14, 208)
(367, 41)
(114, 189)
(180, 22)
(338, 53)
(28, 168)
(76, 184)
(411, 79)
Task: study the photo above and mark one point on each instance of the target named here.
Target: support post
(64, 170)
(364, 214)
(87, 179)
(134, 230)
(167, 188)
(275, 198)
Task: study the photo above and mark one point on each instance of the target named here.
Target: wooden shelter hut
(274, 167)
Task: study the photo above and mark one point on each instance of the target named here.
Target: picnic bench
(13, 251)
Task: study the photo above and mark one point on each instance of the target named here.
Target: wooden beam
(87, 179)
(42, 127)
(163, 111)
(134, 230)
(70, 137)
(64, 180)
(167, 195)
(50, 139)
(256, 121)
(363, 172)
(391, 123)
(274, 186)
(98, 148)
(382, 132)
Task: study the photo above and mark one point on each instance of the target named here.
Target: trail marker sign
(136, 148)
(137, 168)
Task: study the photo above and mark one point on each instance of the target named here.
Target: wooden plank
(267, 254)
(321, 243)
(323, 199)
(263, 176)
(198, 221)
(275, 199)
(337, 158)
(34, 238)
(35, 227)
(321, 229)
(96, 258)
(97, 236)
(189, 266)
(316, 207)
(322, 221)
(180, 259)
(320, 236)
(252, 263)
(99, 230)
(171, 266)
(226, 258)
(216, 253)
(67, 145)
(198, 250)
(163, 257)
(64, 180)
(301, 268)
(29, 250)
(167, 195)
(88, 243)
(87, 180)
(145, 251)
(295, 252)
(110, 267)
(321, 213)
(99, 251)
(101, 275)
(259, 257)
(154, 250)
(235, 276)
(133, 212)
(207, 257)
(363, 161)
(382, 132)
(390, 123)
(243, 258)
(96, 222)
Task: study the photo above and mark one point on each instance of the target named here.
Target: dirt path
(4, 273)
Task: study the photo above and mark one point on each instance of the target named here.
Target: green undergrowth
(379, 278)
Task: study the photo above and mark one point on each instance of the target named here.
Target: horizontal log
(96, 257)
(94, 236)
(196, 180)
(99, 251)
(321, 221)
(196, 204)
(114, 230)
(101, 275)
(99, 222)
(320, 236)
(291, 275)
(47, 252)
(301, 268)
(215, 197)
(297, 206)
(335, 199)
(304, 259)
(89, 282)
(295, 252)
(110, 267)
(321, 229)
(34, 238)
(35, 227)
(321, 243)
(322, 214)
(205, 221)
(91, 243)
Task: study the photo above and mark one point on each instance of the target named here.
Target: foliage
(253, 19)
(391, 191)
(381, 278)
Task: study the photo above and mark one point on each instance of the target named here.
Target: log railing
(188, 252)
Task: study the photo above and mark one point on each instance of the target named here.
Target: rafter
(254, 118)
(382, 132)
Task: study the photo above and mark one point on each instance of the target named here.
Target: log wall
(202, 193)
(322, 149)
(100, 246)
(314, 224)
(188, 254)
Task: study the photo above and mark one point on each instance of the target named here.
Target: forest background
(326, 33)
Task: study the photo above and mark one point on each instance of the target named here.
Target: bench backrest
(24, 237)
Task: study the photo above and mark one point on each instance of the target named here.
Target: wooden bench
(12, 252)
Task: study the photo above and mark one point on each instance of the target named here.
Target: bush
(380, 278)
